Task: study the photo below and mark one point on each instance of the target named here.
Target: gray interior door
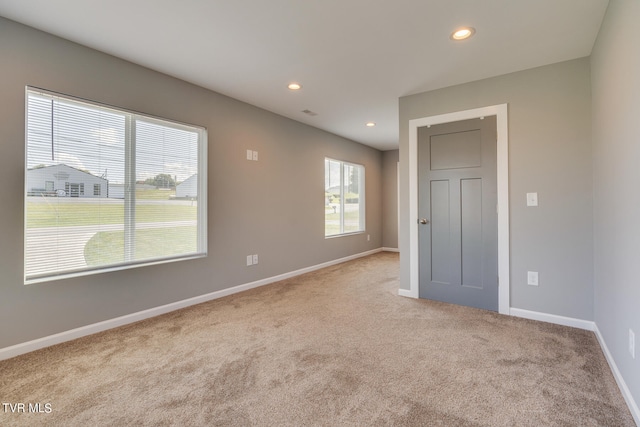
(458, 213)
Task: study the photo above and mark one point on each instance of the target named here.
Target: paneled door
(458, 220)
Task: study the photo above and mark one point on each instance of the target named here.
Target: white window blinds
(109, 189)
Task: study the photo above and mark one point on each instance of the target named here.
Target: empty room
(297, 213)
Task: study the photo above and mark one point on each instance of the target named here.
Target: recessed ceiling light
(463, 33)
(295, 86)
(370, 124)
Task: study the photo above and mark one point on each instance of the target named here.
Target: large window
(102, 188)
(344, 198)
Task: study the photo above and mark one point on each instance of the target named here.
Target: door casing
(500, 111)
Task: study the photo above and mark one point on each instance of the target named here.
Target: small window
(344, 207)
(129, 164)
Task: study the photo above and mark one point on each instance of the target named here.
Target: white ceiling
(354, 58)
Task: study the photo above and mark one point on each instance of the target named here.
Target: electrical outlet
(632, 343)
(532, 278)
(255, 259)
(249, 260)
(252, 155)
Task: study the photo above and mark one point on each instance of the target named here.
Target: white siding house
(65, 181)
(188, 187)
(116, 191)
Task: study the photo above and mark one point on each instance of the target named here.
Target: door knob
(424, 221)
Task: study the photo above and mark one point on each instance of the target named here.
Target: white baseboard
(552, 318)
(626, 393)
(406, 293)
(26, 347)
(391, 250)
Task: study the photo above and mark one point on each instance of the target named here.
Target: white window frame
(361, 199)
(130, 179)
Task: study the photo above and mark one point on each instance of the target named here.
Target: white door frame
(500, 111)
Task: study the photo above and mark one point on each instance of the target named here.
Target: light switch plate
(532, 278)
(532, 199)
(255, 156)
(249, 154)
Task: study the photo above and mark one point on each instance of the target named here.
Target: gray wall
(390, 199)
(615, 65)
(273, 207)
(549, 153)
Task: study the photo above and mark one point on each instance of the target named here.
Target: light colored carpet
(332, 347)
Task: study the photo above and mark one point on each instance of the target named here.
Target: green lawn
(351, 220)
(155, 194)
(331, 229)
(107, 247)
(50, 214)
